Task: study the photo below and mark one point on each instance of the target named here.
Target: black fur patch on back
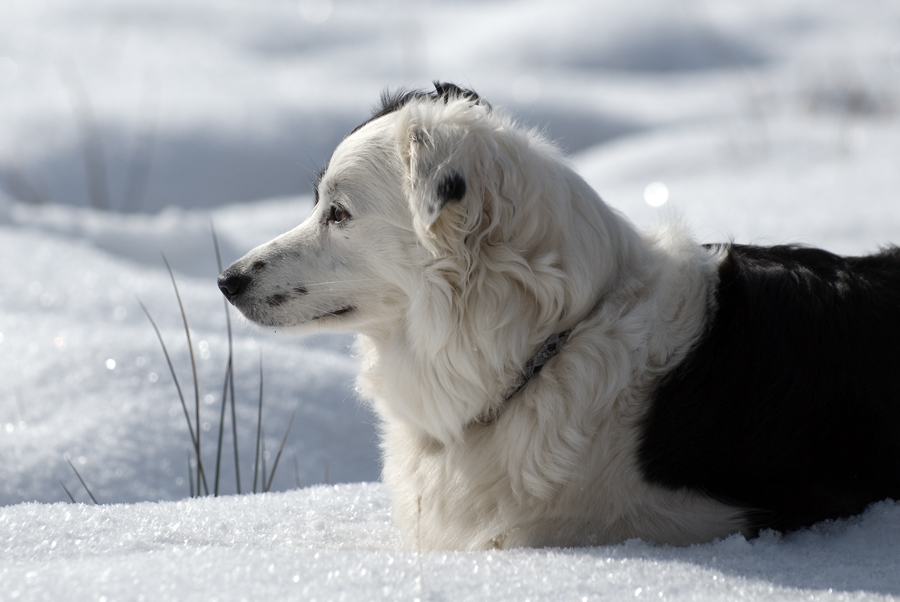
(789, 405)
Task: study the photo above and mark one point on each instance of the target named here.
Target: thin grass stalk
(187, 332)
(75, 470)
(187, 415)
(68, 493)
(221, 429)
(141, 159)
(91, 141)
(190, 473)
(278, 455)
(262, 481)
(230, 373)
(258, 425)
(234, 436)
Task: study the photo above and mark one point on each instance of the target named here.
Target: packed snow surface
(130, 128)
(338, 543)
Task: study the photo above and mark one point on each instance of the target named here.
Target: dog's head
(438, 214)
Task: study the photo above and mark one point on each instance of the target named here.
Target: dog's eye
(337, 214)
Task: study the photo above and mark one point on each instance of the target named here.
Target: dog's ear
(436, 183)
(437, 178)
(441, 150)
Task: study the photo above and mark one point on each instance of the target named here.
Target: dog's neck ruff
(533, 367)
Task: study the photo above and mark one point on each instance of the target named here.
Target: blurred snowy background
(127, 126)
(138, 105)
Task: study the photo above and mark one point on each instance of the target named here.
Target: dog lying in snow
(547, 375)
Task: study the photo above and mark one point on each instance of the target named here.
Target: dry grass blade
(278, 455)
(68, 493)
(221, 428)
(258, 426)
(234, 434)
(190, 473)
(229, 385)
(142, 154)
(187, 332)
(91, 140)
(262, 481)
(83, 484)
(187, 415)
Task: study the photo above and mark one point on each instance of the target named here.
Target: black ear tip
(452, 188)
(447, 92)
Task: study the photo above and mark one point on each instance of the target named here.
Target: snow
(338, 543)
(768, 122)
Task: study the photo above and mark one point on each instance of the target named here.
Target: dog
(547, 375)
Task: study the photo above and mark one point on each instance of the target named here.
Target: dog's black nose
(233, 283)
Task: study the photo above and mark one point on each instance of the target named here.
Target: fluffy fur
(455, 243)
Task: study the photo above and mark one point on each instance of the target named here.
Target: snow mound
(338, 543)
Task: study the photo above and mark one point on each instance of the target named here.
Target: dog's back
(790, 403)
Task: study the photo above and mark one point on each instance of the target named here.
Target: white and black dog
(547, 375)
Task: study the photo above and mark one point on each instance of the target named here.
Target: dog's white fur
(450, 302)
